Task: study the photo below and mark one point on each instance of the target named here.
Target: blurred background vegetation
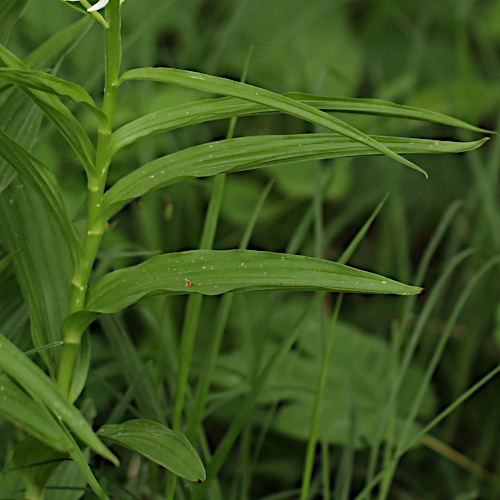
(444, 56)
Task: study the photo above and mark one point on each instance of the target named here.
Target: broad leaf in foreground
(213, 272)
(168, 448)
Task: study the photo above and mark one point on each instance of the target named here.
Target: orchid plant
(42, 396)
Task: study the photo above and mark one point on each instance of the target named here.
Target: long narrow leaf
(60, 116)
(213, 272)
(42, 262)
(42, 180)
(20, 368)
(382, 108)
(28, 231)
(11, 11)
(247, 153)
(222, 86)
(37, 80)
(17, 407)
(227, 107)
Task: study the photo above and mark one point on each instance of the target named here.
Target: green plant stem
(96, 186)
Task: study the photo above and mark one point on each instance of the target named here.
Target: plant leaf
(37, 80)
(11, 11)
(17, 407)
(58, 114)
(44, 182)
(247, 153)
(227, 107)
(42, 262)
(217, 85)
(359, 370)
(29, 455)
(382, 108)
(166, 447)
(30, 376)
(213, 272)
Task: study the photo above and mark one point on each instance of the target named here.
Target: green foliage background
(439, 55)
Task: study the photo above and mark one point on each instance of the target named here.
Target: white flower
(99, 5)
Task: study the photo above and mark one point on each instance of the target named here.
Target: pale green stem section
(96, 186)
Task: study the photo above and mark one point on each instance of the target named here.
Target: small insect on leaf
(188, 283)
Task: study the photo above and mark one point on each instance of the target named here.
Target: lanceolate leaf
(27, 231)
(381, 108)
(247, 153)
(54, 109)
(11, 11)
(212, 272)
(34, 381)
(17, 407)
(227, 107)
(166, 447)
(37, 80)
(42, 263)
(258, 95)
(40, 178)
